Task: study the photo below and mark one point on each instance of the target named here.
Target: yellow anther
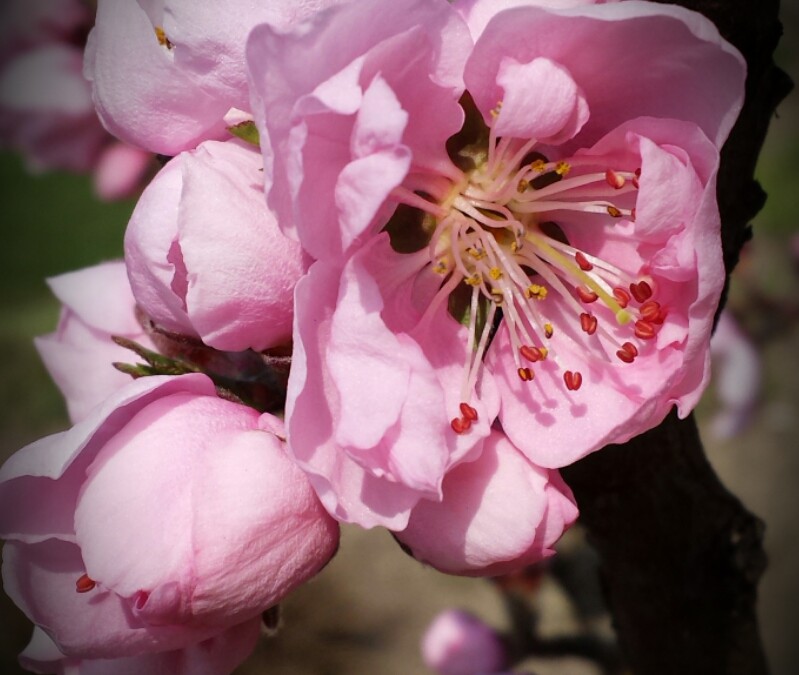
(538, 165)
(496, 110)
(474, 280)
(440, 267)
(548, 330)
(613, 211)
(516, 246)
(523, 186)
(163, 40)
(536, 291)
(477, 254)
(543, 351)
(495, 273)
(562, 168)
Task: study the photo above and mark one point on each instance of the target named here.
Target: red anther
(525, 374)
(632, 214)
(636, 178)
(468, 412)
(661, 317)
(630, 348)
(641, 291)
(532, 354)
(644, 330)
(585, 295)
(614, 179)
(85, 584)
(460, 425)
(572, 380)
(583, 262)
(628, 352)
(650, 310)
(588, 323)
(622, 297)
(613, 211)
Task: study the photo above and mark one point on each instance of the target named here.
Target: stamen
(525, 374)
(586, 296)
(468, 412)
(588, 323)
(460, 425)
(622, 296)
(573, 380)
(84, 584)
(641, 291)
(532, 354)
(613, 211)
(586, 266)
(615, 180)
(644, 330)
(650, 310)
(548, 330)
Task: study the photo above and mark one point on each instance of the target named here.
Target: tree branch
(681, 556)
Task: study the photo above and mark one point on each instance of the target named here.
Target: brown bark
(681, 556)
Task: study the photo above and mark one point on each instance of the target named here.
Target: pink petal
(40, 579)
(629, 59)
(241, 270)
(541, 101)
(494, 516)
(39, 484)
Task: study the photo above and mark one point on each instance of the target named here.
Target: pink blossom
(217, 655)
(205, 256)
(46, 110)
(119, 171)
(737, 377)
(25, 23)
(556, 265)
(96, 304)
(165, 73)
(458, 643)
(165, 518)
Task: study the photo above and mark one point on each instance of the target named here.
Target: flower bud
(457, 643)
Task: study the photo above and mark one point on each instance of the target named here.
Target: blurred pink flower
(119, 171)
(737, 374)
(96, 304)
(458, 643)
(205, 256)
(421, 324)
(46, 110)
(110, 568)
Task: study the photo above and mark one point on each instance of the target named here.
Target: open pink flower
(164, 519)
(205, 256)
(96, 304)
(554, 264)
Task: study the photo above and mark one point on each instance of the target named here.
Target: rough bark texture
(681, 557)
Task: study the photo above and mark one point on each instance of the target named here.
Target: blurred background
(367, 611)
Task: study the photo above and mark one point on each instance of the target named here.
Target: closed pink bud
(457, 643)
(205, 256)
(165, 518)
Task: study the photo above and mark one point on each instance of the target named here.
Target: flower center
(490, 241)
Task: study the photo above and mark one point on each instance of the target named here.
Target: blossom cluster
(483, 234)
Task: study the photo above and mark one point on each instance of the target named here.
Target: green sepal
(246, 131)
